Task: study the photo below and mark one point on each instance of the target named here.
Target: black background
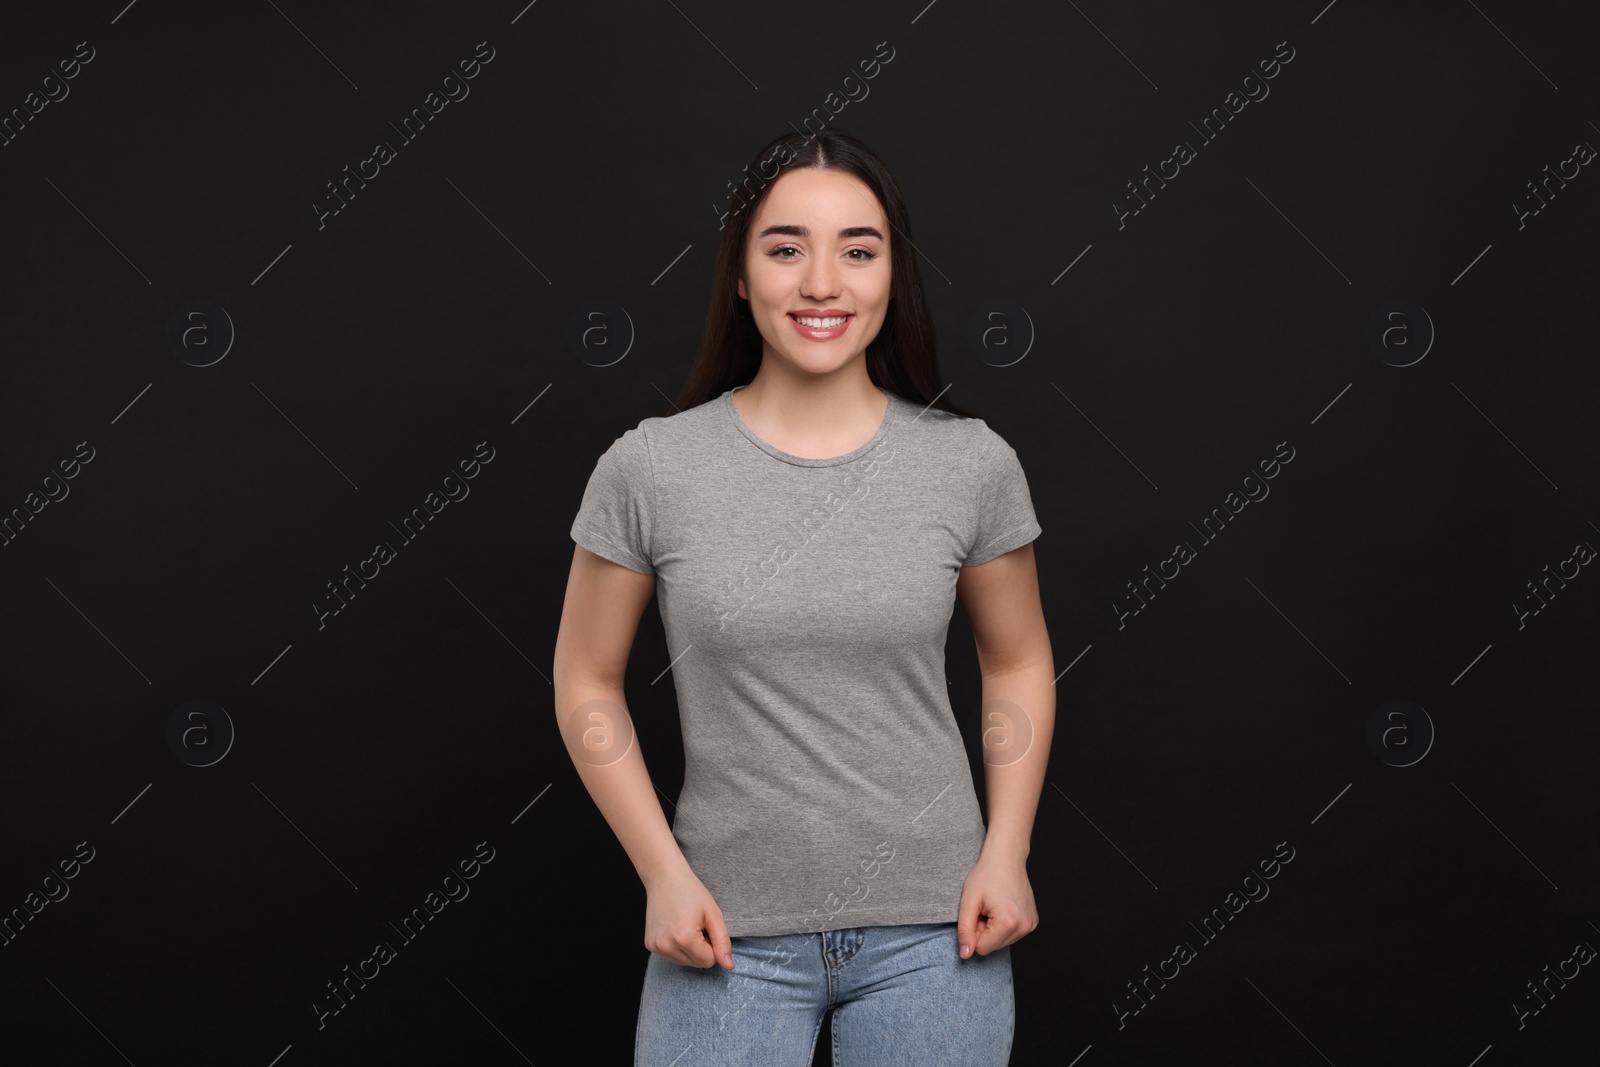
(374, 350)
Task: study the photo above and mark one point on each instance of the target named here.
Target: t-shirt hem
(1015, 539)
(606, 550)
(849, 918)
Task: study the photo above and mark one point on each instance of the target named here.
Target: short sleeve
(617, 515)
(1005, 508)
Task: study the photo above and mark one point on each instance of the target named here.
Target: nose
(820, 280)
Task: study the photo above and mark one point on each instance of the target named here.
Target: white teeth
(821, 324)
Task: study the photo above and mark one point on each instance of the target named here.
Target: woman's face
(818, 249)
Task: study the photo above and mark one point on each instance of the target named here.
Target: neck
(812, 415)
(808, 405)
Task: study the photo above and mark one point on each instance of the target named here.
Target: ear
(742, 294)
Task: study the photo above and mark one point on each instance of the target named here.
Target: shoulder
(958, 439)
(654, 435)
(647, 441)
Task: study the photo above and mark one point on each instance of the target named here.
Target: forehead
(819, 198)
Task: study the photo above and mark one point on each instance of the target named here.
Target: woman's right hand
(683, 923)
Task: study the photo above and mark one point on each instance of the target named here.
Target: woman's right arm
(599, 619)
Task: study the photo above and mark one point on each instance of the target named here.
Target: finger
(983, 943)
(698, 949)
(996, 933)
(721, 943)
(967, 924)
(676, 953)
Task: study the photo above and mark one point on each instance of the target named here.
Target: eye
(864, 255)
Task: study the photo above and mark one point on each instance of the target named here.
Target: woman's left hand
(996, 905)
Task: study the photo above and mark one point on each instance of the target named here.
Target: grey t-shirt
(805, 604)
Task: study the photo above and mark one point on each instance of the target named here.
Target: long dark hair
(902, 358)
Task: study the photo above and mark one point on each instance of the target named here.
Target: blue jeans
(900, 994)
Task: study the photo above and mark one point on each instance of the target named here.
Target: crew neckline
(801, 461)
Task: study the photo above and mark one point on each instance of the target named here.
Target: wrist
(1004, 847)
(666, 867)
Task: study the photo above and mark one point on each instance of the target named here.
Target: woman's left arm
(1001, 599)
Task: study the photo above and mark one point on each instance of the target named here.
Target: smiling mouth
(821, 323)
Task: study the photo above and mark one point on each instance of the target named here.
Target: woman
(806, 519)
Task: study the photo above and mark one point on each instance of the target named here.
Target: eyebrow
(803, 231)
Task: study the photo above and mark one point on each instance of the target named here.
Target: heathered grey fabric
(805, 604)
